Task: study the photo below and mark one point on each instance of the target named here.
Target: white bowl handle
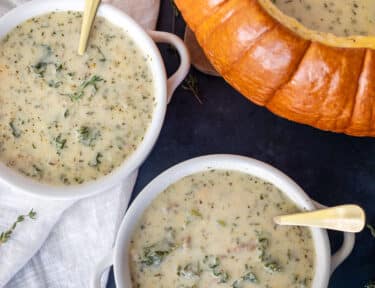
(105, 263)
(345, 249)
(183, 70)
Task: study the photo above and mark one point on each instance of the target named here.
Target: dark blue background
(332, 168)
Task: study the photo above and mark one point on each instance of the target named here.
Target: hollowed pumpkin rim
(353, 41)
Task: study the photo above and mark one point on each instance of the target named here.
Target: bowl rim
(227, 162)
(144, 42)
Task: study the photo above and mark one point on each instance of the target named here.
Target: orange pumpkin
(306, 76)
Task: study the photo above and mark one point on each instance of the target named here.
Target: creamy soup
(215, 229)
(340, 17)
(65, 118)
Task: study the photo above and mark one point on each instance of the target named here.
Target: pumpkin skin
(328, 87)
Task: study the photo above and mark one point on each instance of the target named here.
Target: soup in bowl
(75, 125)
(208, 222)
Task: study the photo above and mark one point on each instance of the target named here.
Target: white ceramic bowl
(164, 89)
(324, 262)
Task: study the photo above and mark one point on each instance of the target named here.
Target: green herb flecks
(372, 230)
(92, 81)
(37, 171)
(191, 84)
(97, 160)
(66, 113)
(301, 282)
(155, 254)
(196, 213)
(102, 57)
(221, 222)
(88, 135)
(189, 271)
(89, 82)
(213, 263)
(248, 276)
(269, 263)
(59, 143)
(40, 68)
(5, 236)
(15, 131)
(54, 84)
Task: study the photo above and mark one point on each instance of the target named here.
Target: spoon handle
(91, 6)
(346, 218)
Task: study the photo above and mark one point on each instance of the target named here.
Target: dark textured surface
(333, 169)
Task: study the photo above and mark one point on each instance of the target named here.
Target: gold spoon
(91, 7)
(345, 218)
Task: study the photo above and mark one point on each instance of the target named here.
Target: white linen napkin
(63, 245)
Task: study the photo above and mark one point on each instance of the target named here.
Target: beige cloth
(62, 247)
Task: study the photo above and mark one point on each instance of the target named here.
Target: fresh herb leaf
(88, 135)
(92, 81)
(221, 223)
(213, 263)
(272, 266)
(40, 68)
(59, 143)
(152, 256)
(59, 67)
(372, 230)
(54, 84)
(37, 171)
(196, 213)
(269, 264)
(66, 113)
(102, 56)
(189, 271)
(97, 160)
(5, 236)
(15, 131)
(250, 277)
(80, 92)
(191, 84)
(155, 254)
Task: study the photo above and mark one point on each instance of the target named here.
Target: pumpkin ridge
(357, 90)
(202, 39)
(212, 11)
(363, 120)
(291, 75)
(246, 50)
(341, 111)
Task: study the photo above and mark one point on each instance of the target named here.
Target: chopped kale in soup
(215, 229)
(340, 17)
(65, 118)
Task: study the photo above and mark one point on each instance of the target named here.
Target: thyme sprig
(5, 236)
(372, 230)
(191, 84)
(176, 12)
